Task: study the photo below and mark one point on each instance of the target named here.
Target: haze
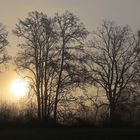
(91, 12)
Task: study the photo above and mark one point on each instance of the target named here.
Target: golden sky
(91, 12)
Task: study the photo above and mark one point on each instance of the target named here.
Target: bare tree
(37, 56)
(72, 34)
(49, 56)
(4, 57)
(110, 60)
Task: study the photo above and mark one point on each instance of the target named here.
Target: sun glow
(19, 88)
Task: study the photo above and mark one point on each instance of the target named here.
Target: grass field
(68, 134)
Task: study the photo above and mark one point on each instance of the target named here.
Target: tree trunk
(55, 108)
(59, 82)
(112, 113)
(38, 111)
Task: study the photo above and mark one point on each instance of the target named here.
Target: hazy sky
(91, 12)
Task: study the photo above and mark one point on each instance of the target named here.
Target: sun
(19, 88)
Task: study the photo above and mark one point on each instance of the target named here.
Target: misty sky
(91, 12)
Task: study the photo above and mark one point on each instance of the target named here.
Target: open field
(68, 134)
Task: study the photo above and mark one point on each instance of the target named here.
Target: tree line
(58, 59)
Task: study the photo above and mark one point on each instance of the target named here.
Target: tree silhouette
(49, 57)
(72, 34)
(37, 56)
(110, 60)
(4, 57)
(54, 57)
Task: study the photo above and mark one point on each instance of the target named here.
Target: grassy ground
(68, 134)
